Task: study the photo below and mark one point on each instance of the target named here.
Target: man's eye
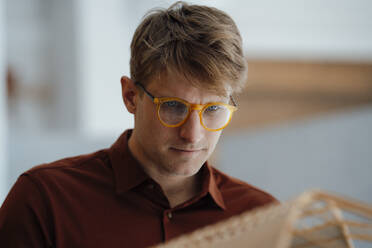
(172, 104)
(212, 108)
(174, 107)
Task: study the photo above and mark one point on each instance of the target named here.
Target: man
(154, 182)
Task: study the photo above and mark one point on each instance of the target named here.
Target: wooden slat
(279, 91)
(337, 78)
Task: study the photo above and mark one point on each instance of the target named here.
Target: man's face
(173, 151)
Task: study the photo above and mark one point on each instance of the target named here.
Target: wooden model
(315, 219)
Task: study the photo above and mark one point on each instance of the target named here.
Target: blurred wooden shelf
(279, 91)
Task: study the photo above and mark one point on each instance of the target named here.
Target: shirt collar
(128, 172)
(210, 186)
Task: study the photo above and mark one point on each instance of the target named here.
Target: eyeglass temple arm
(143, 88)
(233, 101)
(153, 98)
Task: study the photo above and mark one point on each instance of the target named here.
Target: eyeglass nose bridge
(198, 107)
(191, 107)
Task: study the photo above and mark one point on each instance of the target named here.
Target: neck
(177, 188)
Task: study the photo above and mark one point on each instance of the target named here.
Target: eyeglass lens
(174, 112)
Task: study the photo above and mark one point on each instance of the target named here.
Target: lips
(186, 149)
(182, 150)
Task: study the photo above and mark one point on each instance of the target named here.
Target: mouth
(184, 150)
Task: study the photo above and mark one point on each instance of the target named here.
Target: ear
(129, 93)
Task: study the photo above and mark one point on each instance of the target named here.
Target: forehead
(172, 84)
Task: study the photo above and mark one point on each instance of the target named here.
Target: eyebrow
(152, 96)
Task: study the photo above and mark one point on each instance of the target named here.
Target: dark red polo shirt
(104, 199)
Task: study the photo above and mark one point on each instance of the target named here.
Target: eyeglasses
(173, 111)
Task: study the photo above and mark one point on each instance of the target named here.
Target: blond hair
(199, 42)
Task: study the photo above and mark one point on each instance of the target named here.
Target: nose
(192, 130)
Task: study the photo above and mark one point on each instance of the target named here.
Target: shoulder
(41, 194)
(68, 168)
(74, 162)
(237, 193)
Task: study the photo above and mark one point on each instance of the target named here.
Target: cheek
(156, 131)
(146, 115)
(213, 138)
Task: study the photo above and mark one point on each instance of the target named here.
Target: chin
(186, 169)
(183, 163)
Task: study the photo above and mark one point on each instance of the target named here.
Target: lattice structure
(315, 219)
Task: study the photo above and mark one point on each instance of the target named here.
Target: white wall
(3, 119)
(332, 152)
(27, 55)
(303, 29)
(62, 65)
(103, 39)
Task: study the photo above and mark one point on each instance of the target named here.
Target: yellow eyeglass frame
(190, 106)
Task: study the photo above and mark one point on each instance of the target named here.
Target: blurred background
(304, 119)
